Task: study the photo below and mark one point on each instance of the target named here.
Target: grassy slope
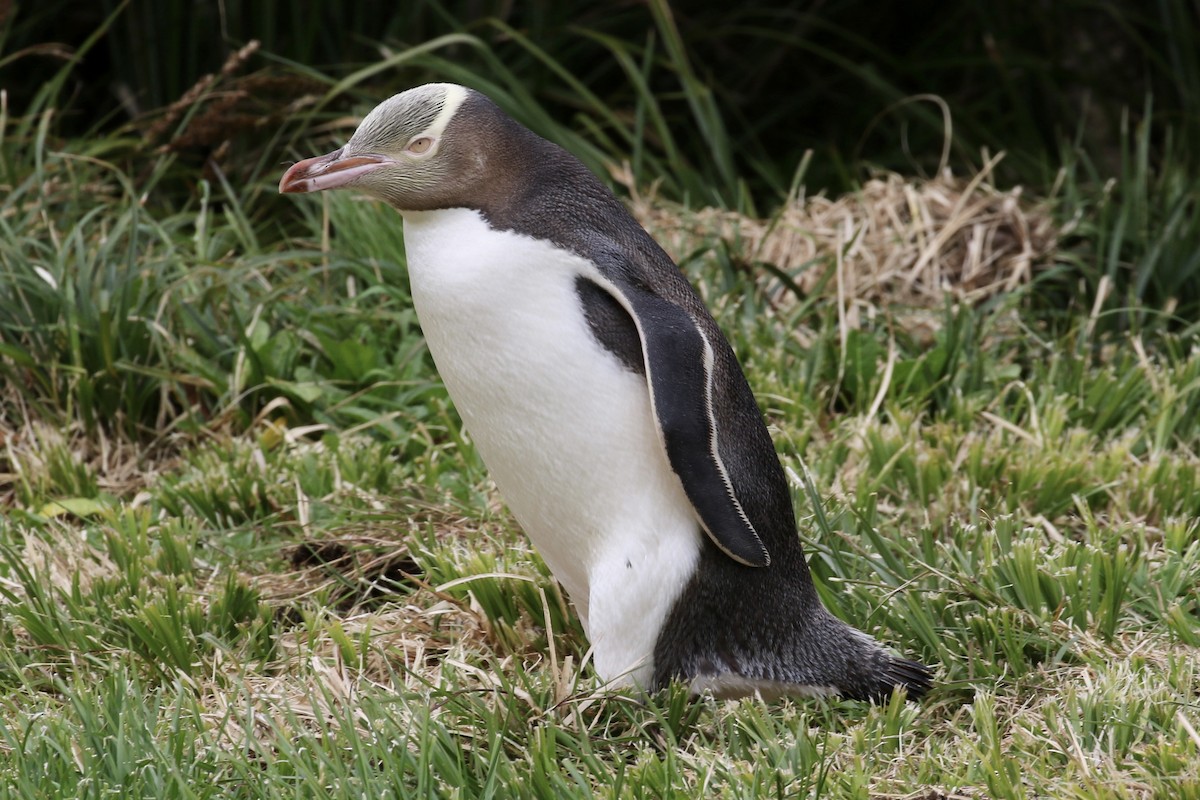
(245, 550)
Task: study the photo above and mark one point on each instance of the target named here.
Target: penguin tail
(896, 673)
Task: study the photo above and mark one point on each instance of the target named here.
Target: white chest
(565, 430)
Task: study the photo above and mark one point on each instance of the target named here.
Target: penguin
(607, 406)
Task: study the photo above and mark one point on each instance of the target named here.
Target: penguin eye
(420, 145)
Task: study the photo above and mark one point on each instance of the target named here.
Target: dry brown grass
(896, 241)
(34, 454)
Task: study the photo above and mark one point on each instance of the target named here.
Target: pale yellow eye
(420, 146)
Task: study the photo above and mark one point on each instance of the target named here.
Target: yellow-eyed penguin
(607, 405)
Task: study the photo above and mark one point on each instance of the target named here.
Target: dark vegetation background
(839, 77)
(718, 102)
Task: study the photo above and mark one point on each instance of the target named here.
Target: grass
(246, 550)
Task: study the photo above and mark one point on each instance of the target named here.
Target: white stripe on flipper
(714, 448)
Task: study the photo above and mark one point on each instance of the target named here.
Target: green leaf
(79, 506)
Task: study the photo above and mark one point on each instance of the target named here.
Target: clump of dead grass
(35, 454)
(67, 562)
(898, 240)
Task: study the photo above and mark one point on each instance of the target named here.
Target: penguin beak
(330, 171)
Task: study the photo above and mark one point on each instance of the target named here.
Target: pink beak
(330, 171)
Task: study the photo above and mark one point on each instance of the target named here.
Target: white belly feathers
(565, 430)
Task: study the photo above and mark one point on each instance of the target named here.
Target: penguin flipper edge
(678, 359)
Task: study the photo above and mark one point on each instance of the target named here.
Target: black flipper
(678, 361)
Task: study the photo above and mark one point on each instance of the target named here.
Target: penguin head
(413, 151)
